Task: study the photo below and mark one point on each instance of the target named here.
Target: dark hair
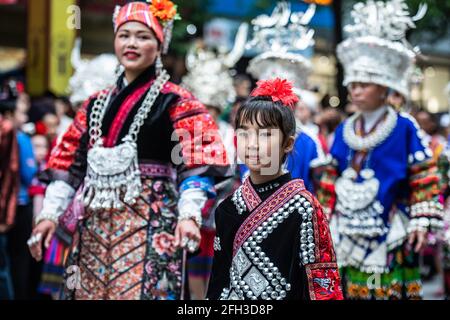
(241, 77)
(64, 100)
(239, 100)
(266, 113)
(8, 105)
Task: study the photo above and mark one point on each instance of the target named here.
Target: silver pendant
(360, 212)
(113, 176)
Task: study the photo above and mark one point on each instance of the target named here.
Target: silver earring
(119, 70)
(159, 65)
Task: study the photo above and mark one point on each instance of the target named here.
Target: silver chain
(103, 99)
(97, 114)
(147, 105)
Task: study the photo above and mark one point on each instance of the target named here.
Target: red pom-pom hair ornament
(278, 90)
(41, 128)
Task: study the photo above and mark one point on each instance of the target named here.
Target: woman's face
(367, 96)
(261, 149)
(136, 46)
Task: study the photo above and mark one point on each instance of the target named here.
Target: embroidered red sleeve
(198, 134)
(424, 181)
(324, 282)
(62, 156)
(426, 210)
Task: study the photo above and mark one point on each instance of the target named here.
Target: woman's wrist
(197, 219)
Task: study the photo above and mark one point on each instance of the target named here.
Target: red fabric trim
(122, 114)
(199, 136)
(170, 87)
(36, 190)
(322, 235)
(324, 282)
(185, 108)
(325, 267)
(265, 210)
(139, 12)
(62, 156)
(251, 198)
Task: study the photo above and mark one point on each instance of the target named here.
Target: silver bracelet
(46, 216)
(197, 218)
(419, 224)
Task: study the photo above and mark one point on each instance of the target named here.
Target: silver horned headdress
(281, 37)
(377, 50)
(209, 77)
(90, 76)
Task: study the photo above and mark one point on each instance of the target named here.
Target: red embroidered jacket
(178, 131)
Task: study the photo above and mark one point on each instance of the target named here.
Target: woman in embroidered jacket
(273, 241)
(119, 153)
(387, 183)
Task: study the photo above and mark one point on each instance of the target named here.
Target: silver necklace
(372, 140)
(113, 175)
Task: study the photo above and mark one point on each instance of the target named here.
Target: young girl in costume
(273, 241)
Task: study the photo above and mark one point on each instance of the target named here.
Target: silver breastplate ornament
(113, 176)
(360, 211)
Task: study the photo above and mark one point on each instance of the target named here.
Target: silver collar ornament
(372, 140)
(113, 177)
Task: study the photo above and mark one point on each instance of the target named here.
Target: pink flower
(163, 243)
(155, 223)
(149, 268)
(158, 187)
(173, 267)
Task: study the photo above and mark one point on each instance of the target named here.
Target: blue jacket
(27, 167)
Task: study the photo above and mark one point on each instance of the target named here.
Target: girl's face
(262, 149)
(40, 147)
(136, 46)
(367, 96)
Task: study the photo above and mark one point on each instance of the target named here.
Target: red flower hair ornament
(278, 90)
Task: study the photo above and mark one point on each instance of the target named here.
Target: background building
(215, 20)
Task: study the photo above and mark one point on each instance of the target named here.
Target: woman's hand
(4, 228)
(43, 231)
(420, 237)
(187, 235)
